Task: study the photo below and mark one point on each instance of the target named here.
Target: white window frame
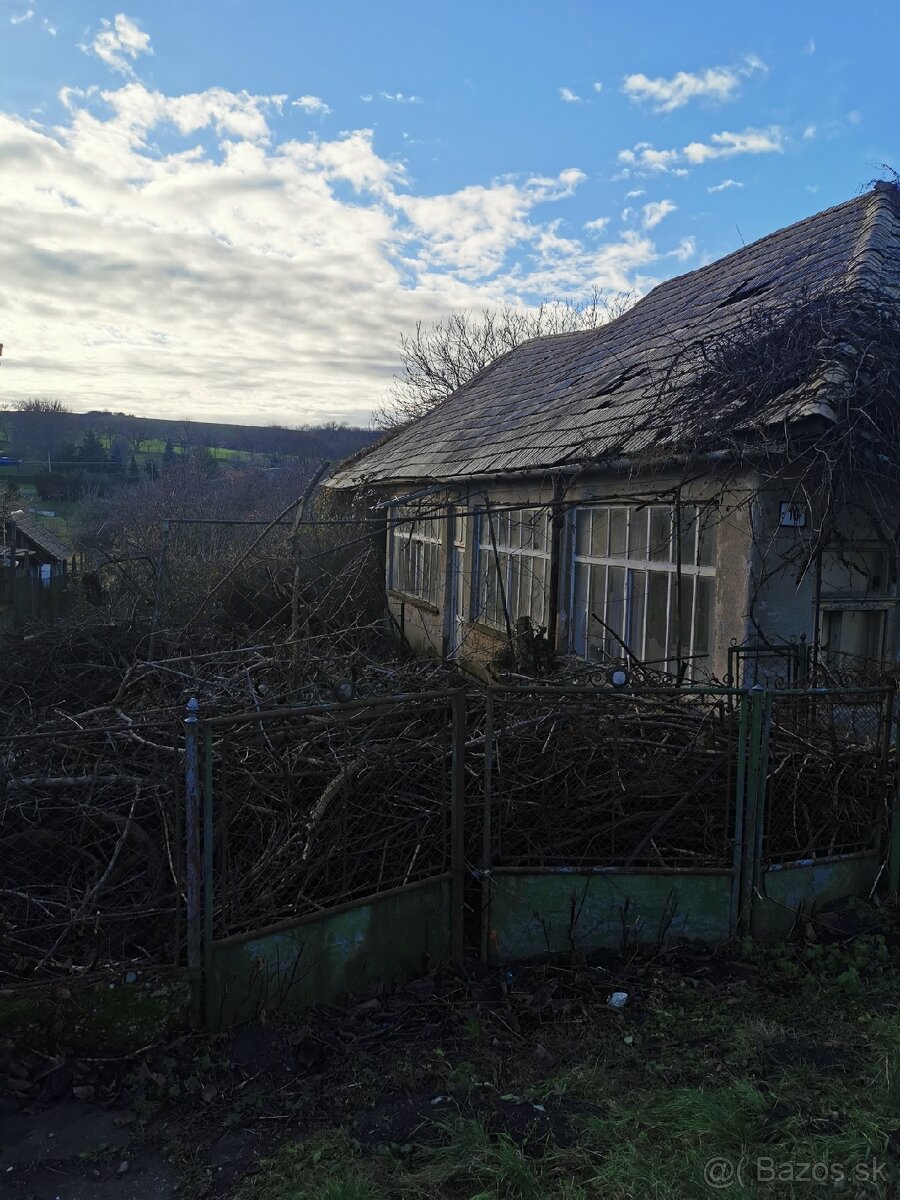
(510, 550)
(637, 519)
(421, 539)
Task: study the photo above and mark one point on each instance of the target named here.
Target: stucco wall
(783, 579)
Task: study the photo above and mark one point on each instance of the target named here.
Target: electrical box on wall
(792, 515)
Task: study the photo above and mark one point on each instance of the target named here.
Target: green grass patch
(784, 1082)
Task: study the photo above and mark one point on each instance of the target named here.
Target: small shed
(34, 547)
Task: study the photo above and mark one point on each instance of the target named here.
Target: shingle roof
(570, 397)
(36, 531)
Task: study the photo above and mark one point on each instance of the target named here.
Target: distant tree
(204, 461)
(117, 458)
(187, 437)
(38, 425)
(92, 453)
(169, 457)
(65, 456)
(441, 356)
(151, 470)
(133, 475)
(135, 431)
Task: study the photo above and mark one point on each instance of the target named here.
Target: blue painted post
(194, 916)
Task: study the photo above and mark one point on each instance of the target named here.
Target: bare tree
(440, 357)
(39, 424)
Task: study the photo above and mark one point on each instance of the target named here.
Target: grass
(793, 1085)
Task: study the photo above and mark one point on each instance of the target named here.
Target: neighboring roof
(573, 397)
(34, 529)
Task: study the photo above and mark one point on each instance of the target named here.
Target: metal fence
(294, 813)
(827, 772)
(291, 814)
(583, 777)
(690, 782)
(89, 855)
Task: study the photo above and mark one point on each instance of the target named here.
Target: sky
(231, 211)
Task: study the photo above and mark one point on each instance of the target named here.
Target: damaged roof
(40, 535)
(573, 397)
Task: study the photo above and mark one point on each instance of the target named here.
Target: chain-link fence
(89, 854)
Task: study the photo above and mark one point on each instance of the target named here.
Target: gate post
(894, 829)
(740, 799)
(193, 866)
(486, 828)
(457, 827)
(754, 812)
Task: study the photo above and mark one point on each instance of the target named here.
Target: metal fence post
(208, 880)
(193, 871)
(894, 831)
(751, 809)
(486, 828)
(740, 797)
(457, 827)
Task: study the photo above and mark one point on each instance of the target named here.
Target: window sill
(488, 630)
(414, 601)
(851, 602)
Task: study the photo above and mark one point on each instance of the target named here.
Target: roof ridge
(883, 207)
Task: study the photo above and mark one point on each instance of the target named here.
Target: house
(709, 477)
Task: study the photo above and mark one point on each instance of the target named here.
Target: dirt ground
(495, 1083)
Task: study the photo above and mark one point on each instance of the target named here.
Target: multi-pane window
(858, 571)
(628, 598)
(514, 566)
(415, 561)
(855, 584)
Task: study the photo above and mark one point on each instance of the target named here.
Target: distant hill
(32, 436)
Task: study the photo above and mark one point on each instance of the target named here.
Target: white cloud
(645, 159)
(598, 87)
(685, 249)
(809, 132)
(632, 195)
(597, 225)
(724, 145)
(810, 47)
(656, 211)
(569, 96)
(239, 275)
(312, 104)
(399, 98)
(715, 83)
(21, 18)
(118, 41)
(49, 28)
(725, 185)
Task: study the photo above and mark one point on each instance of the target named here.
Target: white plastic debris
(618, 1000)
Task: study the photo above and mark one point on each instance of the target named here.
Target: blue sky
(232, 210)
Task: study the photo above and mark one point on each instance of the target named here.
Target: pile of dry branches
(650, 780)
(91, 757)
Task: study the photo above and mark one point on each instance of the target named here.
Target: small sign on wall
(792, 515)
